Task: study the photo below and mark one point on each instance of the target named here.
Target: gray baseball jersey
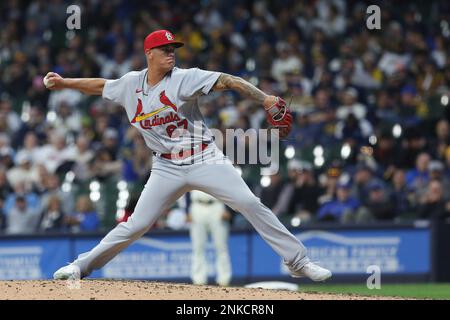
(167, 114)
(157, 112)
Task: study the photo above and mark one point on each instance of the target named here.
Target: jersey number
(171, 128)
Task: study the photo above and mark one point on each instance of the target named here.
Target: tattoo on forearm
(245, 88)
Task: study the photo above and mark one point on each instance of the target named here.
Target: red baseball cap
(159, 38)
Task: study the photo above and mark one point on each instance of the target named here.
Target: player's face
(164, 56)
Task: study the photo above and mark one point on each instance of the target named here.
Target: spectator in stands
(136, 158)
(409, 106)
(85, 218)
(22, 219)
(334, 24)
(52, 216)
(41, 186)
(301, 194)
(56, 153)
(442, 140)
(141, 161)
(286, 61)
(110, 142)
(67, 97)
(52, 188)
(412, 145)
(352, 123)
(385, 113)
(30, 147)
(68, 119)
(363, 176)
(4, 126)
(24, 172)
(418, 177)
(342, 208)
(379, 206)
(299, 88)
(328, 183)
(6, 158)
(350, 105)
(351, 131)
(5, 143)
(11, 116)
(103, 166)
(82, 155)
(403, 197)
(35, 123)
(305, 133)
(368, 75)
(436, 171)
(116, 67)
(281, 206)
(270, 193)
(33, 201)
(429, 79)
(384, 154)
(5, 186)
(432, 204)
(323, 111)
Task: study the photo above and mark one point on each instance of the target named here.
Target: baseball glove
(279, 117)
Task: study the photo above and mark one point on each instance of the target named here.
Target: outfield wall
(402, 252)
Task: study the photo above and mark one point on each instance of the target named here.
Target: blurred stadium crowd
(371, 140)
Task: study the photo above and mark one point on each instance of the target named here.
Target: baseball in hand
(47, 82)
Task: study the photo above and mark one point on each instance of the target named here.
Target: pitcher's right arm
(89, 86)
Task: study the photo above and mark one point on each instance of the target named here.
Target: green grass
(421, 291)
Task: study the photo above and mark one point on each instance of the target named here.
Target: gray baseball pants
(214, 175)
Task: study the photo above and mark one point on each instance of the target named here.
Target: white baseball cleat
(312, 271)
(71, 272)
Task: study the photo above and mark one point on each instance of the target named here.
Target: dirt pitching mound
(148, 290)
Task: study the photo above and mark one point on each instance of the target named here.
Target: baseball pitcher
(161, 102)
